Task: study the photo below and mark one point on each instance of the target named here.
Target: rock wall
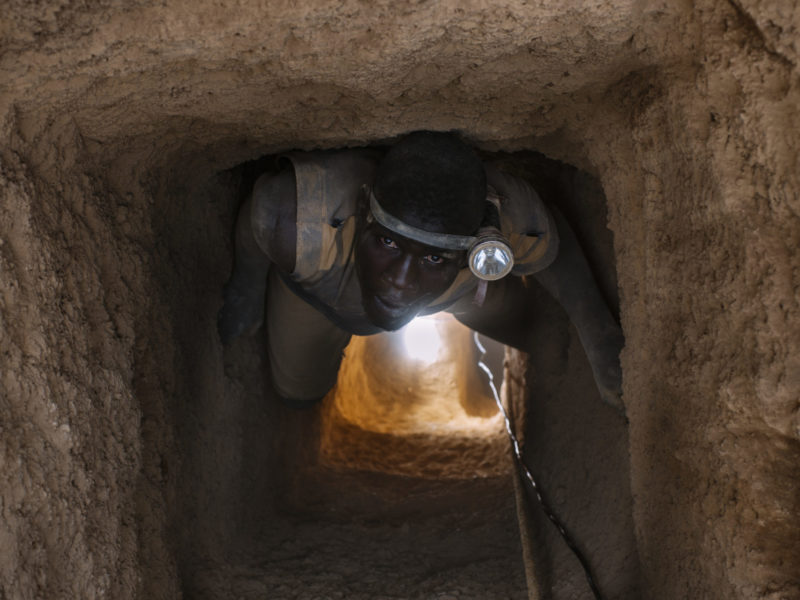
(705, 228)
(115, 117)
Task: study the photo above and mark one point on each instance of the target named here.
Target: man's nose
(402, 273)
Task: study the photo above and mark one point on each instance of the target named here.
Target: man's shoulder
(273, 210)
(321, 171)
(305, 185)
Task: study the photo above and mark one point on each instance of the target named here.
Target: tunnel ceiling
(135, 78)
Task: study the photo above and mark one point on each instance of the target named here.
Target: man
(355, 242)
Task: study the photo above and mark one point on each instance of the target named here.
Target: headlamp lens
(491, 260)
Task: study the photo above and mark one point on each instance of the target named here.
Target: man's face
(399, 277)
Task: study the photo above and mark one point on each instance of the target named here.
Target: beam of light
(422, 340)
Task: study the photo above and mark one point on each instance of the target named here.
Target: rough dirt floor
(304, 530)
(135, 451)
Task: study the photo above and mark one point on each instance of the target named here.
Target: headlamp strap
(480, 292)
(490, 255)
(445, 241)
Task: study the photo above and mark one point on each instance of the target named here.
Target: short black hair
(435, 176)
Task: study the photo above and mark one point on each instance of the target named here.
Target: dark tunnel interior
(269, 498)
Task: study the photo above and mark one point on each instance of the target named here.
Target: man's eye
(434, 259)
(388, 242)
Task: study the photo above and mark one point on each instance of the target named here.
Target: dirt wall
(709, 281)
(74, 378)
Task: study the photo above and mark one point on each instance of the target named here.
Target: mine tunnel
(142, 459)
(401, 482)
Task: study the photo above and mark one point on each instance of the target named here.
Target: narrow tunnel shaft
(416, 399)
(356, 508)
(410, 451)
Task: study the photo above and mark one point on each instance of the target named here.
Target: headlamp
(489, 255)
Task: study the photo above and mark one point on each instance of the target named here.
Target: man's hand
(603, 354)
(243, 310)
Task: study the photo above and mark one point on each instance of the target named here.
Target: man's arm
(569, 280)
(265, 235)
(507, 314)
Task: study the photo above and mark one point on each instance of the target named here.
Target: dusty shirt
(329, 185)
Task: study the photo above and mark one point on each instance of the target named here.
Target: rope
(568, 539)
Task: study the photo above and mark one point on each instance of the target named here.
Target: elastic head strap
(445, 241)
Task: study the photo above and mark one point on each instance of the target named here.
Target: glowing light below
(422, 340)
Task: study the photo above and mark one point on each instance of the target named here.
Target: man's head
(429, 181)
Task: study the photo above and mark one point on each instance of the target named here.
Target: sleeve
(328, 186)
(525, 222)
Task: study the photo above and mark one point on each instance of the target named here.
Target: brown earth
(138, 458)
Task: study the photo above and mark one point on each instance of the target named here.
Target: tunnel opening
(275, 485)
(417, 398)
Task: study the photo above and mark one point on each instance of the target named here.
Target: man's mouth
(391, 305)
